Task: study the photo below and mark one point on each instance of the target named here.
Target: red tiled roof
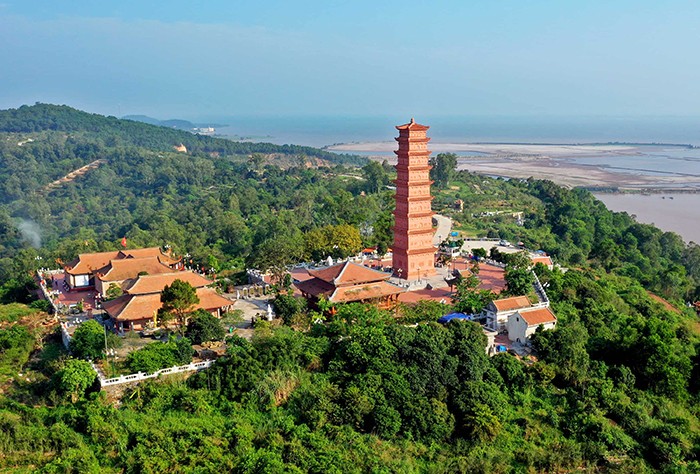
(315, 286)
(412, 125)
(133, 307)
(509, 304)
(151, 252)
(436, 294)
(542, 259)
(535, 317)
(144, 284)
(89, 262)
(125, 268)
(348, 273)
(136, 307)
(300, 274)
(379, 289)
(210, 299)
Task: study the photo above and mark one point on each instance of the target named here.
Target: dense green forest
(614, 388)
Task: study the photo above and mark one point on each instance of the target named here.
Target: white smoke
(31, 232)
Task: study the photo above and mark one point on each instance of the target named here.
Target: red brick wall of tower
(413, 251)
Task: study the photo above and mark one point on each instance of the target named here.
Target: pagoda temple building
(138, 307)
(81, 273)
(349, 282)
(413, 251)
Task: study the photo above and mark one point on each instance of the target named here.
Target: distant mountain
(142, 118)
(171, 123)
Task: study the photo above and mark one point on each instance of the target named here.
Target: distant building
(544, 260)
(498, 311)
(522, 324)
(414, 254)
(349, 282)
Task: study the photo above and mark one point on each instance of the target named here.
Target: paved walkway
(487, 245)
(444, 226)
(253, 307)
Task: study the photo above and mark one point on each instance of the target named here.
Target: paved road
(444, 226)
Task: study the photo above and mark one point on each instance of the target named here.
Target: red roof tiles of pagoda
(315, 287)
(90, 262)
(151, 252)
(412, 125)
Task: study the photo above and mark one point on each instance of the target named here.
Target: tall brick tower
(414, 254)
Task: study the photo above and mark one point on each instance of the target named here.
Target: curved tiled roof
(368, 291)
(89, 262)
(412, 125)
(145, 284)
(125, 268)
(137, 307)
(348, 281)
(348, 273)
(152, 252)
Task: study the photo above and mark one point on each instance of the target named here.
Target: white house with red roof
(498, 311)
(523, 323)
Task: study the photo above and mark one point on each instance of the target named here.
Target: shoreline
(610, 167)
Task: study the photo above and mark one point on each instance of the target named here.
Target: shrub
(204, 327)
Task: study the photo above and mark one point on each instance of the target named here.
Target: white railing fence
(539, 289)
(104, 382)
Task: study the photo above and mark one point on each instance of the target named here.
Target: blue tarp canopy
(449, 317)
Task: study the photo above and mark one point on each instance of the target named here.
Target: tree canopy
(203, 327)
(178, 298)
(88, 341)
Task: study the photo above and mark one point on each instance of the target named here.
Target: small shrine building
(349, 282)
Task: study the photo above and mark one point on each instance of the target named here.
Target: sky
(186, 59)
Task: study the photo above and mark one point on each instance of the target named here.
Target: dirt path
(75, 174)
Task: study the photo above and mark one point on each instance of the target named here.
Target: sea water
(321, 131)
